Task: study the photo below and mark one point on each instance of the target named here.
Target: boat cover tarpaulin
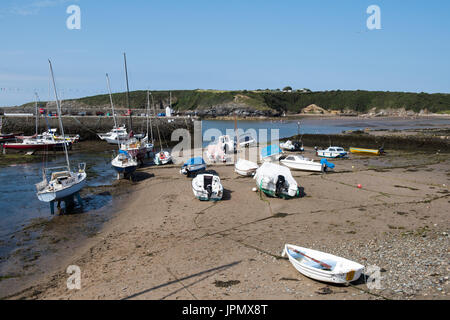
(328, 164)
(270, 151)
(194, 161)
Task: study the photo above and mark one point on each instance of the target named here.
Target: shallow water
(289, 128)
(18, 194)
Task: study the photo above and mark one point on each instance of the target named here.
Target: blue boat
(193, 166)
(271, 153)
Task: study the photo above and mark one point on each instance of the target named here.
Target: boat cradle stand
(69, 203)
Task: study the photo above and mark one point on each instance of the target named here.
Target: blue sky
(212, 44)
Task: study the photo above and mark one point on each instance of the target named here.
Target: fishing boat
(245, 168)
(63, 181)
(305, 164)
(322, 266)
(124, 163)
(375, 152)
(276, 181)
(207, 187)
(271, 153)
(117, 133)
(332, 152)
(193, 166)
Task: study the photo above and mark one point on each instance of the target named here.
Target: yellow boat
(376, 152)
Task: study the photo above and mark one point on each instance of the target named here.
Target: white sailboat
(63, 181)
(162, 157)
(124, 163)
(117, 133)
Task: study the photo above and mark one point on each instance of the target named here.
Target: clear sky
(218, 44)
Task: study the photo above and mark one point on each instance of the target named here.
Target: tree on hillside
(288, 88)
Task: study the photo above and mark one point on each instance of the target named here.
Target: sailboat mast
(36, 110)
(149, 110)
(157, 128)
(112, 106)
(58, 109)
(128, 91)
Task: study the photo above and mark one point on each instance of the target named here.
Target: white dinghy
(306, 164)
(207, 187)
(245, 168)
(322, 266)
(276, 181)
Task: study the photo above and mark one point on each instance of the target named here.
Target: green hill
(276, 101)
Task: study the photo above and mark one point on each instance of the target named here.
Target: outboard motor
(280, 185)
(207, 184)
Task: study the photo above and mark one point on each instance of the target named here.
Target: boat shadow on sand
(140, 176)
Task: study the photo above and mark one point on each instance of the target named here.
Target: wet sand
(162, 243)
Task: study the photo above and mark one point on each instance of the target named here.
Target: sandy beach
(162, 243)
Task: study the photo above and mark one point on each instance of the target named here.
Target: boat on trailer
(322, 266)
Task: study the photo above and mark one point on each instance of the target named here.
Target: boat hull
(304, 166)
(193, 169)
(245, 168)
(125, 170)
(365, 151)
(38, 146)
(343, 270)
(61, 194)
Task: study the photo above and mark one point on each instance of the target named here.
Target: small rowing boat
(376, 152)
(322, 266)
